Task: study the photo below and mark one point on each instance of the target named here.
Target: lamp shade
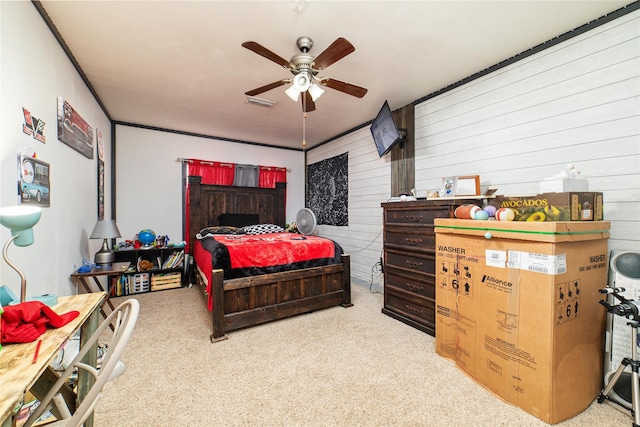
(20, 220)
(302, 82)
(293, 93)
(105, 229)
(315, 91)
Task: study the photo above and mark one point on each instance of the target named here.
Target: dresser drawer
(412, 263)
(418, 216)
(422, 287)
(410, 241)
(419, 310)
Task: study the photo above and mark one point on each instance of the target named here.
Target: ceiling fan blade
(263, 51)
(265, 88)
(307, 101)
(336, 51)
(348, 88)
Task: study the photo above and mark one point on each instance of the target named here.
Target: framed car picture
(34, 187)
(73, 130)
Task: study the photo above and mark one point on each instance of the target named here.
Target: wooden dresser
(409, 259)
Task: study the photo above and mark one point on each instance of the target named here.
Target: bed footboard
(250, 301)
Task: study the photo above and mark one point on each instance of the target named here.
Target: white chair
(123, 319)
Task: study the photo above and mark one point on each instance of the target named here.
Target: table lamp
(105, 229)
(20, 220)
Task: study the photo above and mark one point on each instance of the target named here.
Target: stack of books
(174, 260)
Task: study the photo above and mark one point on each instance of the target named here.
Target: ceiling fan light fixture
(315, 91)
(293, 93)
(302, 82)
(304, 66)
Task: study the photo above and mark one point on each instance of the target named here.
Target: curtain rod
(183, 160)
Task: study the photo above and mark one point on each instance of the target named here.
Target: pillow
(219, 230)
(262, 229)
(237, 220)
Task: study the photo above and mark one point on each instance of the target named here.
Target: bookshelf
(167, 271)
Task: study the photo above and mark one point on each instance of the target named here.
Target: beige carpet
(335, 367)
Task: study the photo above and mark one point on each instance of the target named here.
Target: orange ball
(467, 211)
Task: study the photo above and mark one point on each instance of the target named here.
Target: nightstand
(117, 269)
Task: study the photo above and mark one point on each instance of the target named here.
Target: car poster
(73, 130)
(34, 187)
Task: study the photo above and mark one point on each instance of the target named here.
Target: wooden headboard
(207, 202)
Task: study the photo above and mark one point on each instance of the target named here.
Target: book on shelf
(122, 285)
(173, 260)
(178, 259)
(167, 262)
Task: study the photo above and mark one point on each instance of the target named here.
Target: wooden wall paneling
(369, 184)
(576, 102)
(403, 154)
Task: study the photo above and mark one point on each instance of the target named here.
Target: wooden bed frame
(245, 302)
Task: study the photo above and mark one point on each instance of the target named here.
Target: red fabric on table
(26, 321)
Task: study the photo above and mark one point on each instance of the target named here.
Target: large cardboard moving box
(517, 308)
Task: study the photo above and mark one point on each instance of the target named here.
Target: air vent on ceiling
(260, 101)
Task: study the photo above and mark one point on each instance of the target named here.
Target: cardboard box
(554, 206)
(518, 309)
(563, 184)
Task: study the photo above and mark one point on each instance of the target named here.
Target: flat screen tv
(384, 130)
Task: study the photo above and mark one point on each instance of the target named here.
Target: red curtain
(269, 175)
(215, 173)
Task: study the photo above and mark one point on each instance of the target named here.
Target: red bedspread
(251, 255)
(273, 249)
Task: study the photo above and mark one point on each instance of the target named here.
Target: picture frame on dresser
(467, 185)
(449, 184)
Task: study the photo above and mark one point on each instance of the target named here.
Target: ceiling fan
(305, 69)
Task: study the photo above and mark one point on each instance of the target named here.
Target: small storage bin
(165, 281)
(140, 283)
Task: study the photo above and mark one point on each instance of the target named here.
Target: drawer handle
(414, 310)
(413, 264)
(414, 288)
(414, 218)
(413, 240)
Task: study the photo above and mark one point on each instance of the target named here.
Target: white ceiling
(180, 65)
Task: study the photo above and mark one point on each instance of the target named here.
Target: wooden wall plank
(577, 102)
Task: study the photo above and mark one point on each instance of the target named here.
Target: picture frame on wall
(73, 130)
(100, 189)
(100, 175)
(34, 187)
